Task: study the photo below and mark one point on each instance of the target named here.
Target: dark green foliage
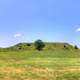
(66, 47)
(28, 44)
(39, 44)
(19, 48)
(76, 47)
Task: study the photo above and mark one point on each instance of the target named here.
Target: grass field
(57, 64)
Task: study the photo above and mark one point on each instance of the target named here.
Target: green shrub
(66, 47)
(28, 44)
(76, 47)
(39, 44)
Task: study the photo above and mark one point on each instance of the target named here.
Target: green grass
(49, 64)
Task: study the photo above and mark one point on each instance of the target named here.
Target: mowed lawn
(55, 64)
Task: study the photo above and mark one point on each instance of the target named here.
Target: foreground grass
(40, 65)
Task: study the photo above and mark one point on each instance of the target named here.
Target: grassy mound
(58, 61)
(48, 46)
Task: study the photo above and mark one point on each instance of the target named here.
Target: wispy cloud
(18, 35)
(78, 29)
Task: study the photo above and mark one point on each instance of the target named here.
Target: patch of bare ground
(13, 73)
(46, 73)
(11, 69)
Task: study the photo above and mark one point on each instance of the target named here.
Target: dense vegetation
(39, 45)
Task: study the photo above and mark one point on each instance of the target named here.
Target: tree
(20, 48)
(76, 47)
(28, 44)
(39, 44)
(66, 47)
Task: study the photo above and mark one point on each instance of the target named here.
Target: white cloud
(18, 35)
(78, 29)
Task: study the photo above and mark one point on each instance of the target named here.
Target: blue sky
(49, 20)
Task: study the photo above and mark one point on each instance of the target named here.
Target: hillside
(48, 46)
(55, 62)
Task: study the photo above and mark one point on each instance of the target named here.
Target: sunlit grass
(58, 64)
